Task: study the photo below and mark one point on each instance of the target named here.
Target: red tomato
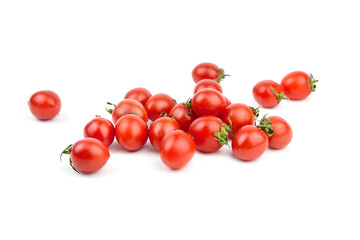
(240, 115)
(268, 93)
(159, 128)
(129, 106)
(208, 102)
(101, 129)
(183, 115)
(298, 85)
(203, 129)
(87, 155)
(131, 132)
(176, 149)
(208, 71)
(45, 104)
(139, 94)
(159, 103)
(282, 132)
(249, 143)
(207, 83)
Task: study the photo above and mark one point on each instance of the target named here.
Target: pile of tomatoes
(205, 122)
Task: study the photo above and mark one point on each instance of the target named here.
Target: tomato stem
(311, 83)
(222, 136)
(221, 76)
(67, 150)
(110, 110)
(187, 104)
(265, 125)
(256, 112)
(280, 95)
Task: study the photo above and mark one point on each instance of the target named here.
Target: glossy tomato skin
(139, 94)
(88, 155)
(240, 114)
(264, 96)
(45, 104)
(296, 85)
(207, 83)
(205, 70)
(177, 148)
(159, 128)
(282, 133)
(183, 115)
(127, 106)
(101, 129)
(249, 143)
(158, 104)
(208, 102)
(202, 129)
(131, 132)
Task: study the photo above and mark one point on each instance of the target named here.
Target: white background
(91, 52)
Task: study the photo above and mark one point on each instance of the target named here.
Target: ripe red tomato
(208, 70)
(298, 85)
(159, 128)
(268, 93)
(45, 104)
(159, 103)
(101, 129)
(177, 148)
(131, 132)
(139, 94)
(208, 102)
(87, 155)
(203, 129)
(207, 83)
(240, 115)
(127, 106)
(183, 115)
(249, 143)
(282, 133)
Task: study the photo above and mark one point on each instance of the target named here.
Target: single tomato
(183, 114)
(45, 104)
(208, 83)
(298, 85)
(268, 93)
(240, 114)
(159, 103)
(159, 128)
(208, 70)
(139, 94)
(101, 129)
(208, 102)
(282, 132)
(127, 106)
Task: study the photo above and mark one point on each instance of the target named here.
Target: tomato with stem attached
(101, 129)
(127, 106)
(240, 114)
(45, 104)
(139, 94)
(183, 114)
(282, 132)
(158, 104)
(208, 70)
(208, 102)
(298, 85)
(268, 93)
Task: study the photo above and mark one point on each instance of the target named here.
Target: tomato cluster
(205, 122)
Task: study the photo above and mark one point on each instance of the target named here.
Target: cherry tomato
(268, 93)
(249, 143)
(203, 130)
(208, 83)
(87, 155)
(45, 104)
(208, 70)
(139, 94)
(208, 102)
(240, 115)
(159, 128)
(159, 103)
(101, 129)
(177, 148)
(183, 114)
(127, 106)
(131, 132)
(282, 133)
(298, 85)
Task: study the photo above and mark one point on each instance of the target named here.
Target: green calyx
(311, 83)
(164, 114)
(280, 95)
(187, 104)
(221, 76)
(222, 136)
(256, 112)
(110, 110)
(265, 125)
(67, 150)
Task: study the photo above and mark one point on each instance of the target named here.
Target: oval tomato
(298, 85)
(127, 106)
(87, 155)
(208, 102)
(282, 133)
(183, 115)
(207, 83)
(131, 132)
(158, 104)
(159, 128)
(139, 94)
(101, 129)
(208, 70)
(268, 93)
(203, 130)
(249, 143)
(45, 104)
(240, 114)
(177, 148)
